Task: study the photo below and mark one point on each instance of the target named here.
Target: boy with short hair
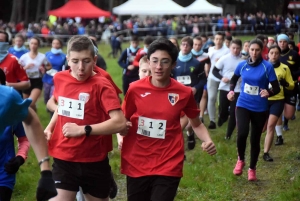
(88, 113)
(156, 132)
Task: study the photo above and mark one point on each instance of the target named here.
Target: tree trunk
(48, 6)
(20, 16)
(285, 7)
(111, 4)
(38, 12)
(27, 11)
(224, 2)
(13, 16)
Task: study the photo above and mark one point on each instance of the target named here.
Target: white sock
(187, 133)
(278, 129)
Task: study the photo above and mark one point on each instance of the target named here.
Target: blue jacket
(194, 69)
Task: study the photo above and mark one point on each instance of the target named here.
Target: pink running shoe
(238, 170)
(252, 175)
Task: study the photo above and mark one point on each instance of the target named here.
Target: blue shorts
(205, 87)
(276, 107)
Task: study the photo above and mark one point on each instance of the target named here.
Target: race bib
(186, 79)
(34, 74)
(153, 128)
(251, 90)
(51, 72)
(70, 108)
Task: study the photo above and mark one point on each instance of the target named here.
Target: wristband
(43, 160)
(231, 92)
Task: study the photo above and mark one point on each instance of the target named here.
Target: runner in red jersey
(153, 150)
(15, 75)
(80, 130)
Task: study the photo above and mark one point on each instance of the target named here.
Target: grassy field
(205, 177)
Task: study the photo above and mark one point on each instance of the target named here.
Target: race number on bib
(154, 128)
(251, 90)
(70, 108)
(51, 72)
(186, 79)
(34, 74)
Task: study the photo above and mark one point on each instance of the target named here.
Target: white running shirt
(214, 56)
(227, 64)
(38, 61)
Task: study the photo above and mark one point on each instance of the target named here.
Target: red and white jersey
(154, 144)
(13, 70)
(83, 103)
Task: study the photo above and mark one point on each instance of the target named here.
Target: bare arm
(116, 124)
(51, 104)
(49, 129)
(19, 85)
(35, 135)
(202, 134)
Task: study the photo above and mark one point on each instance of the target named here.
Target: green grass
(205, 177)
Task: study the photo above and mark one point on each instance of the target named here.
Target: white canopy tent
(203, 7)
(149, 7)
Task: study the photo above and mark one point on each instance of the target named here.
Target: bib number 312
(70, 107)
(154, 128)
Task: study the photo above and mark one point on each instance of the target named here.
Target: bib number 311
(154, 128)
(70, 108)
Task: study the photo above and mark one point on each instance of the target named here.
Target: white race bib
(70, 108)
(51, 72)
(154, 128)
(186, 79)
(34, 74)
(251, 90)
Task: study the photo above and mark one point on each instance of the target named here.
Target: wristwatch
(88, 130)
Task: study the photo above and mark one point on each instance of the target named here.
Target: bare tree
(48, 6)
(13, 16)
(38, 11)
(19, 9)
(27, 11)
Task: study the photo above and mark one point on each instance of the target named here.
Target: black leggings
(224, 103)
(257, 119)
(5, 193)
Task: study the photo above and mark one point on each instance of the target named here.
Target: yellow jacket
(283, 72)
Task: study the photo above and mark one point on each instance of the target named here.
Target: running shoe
(285, 128)
(238, 170)
(293, 117)
(220, 122)
(252, 175)
(227, 137)
(212, 125)
(191, 141)
(279, 141)
(267, 157)
(113, 187)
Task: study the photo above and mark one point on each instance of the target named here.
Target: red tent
(79, 8)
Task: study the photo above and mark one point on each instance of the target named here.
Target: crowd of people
(238, 24)
(167, 85)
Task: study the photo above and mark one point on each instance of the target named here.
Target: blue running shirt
(254, 79)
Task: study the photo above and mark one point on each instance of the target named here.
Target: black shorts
(290, 99)
(276, 107)
(35, 83)
(158, 188)
(94, 177)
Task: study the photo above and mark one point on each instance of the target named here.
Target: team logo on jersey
(247, 69)
(177, 66)
(290, 57)
(173, 98)
(145, 94)
(192, 68)
(84, 97)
